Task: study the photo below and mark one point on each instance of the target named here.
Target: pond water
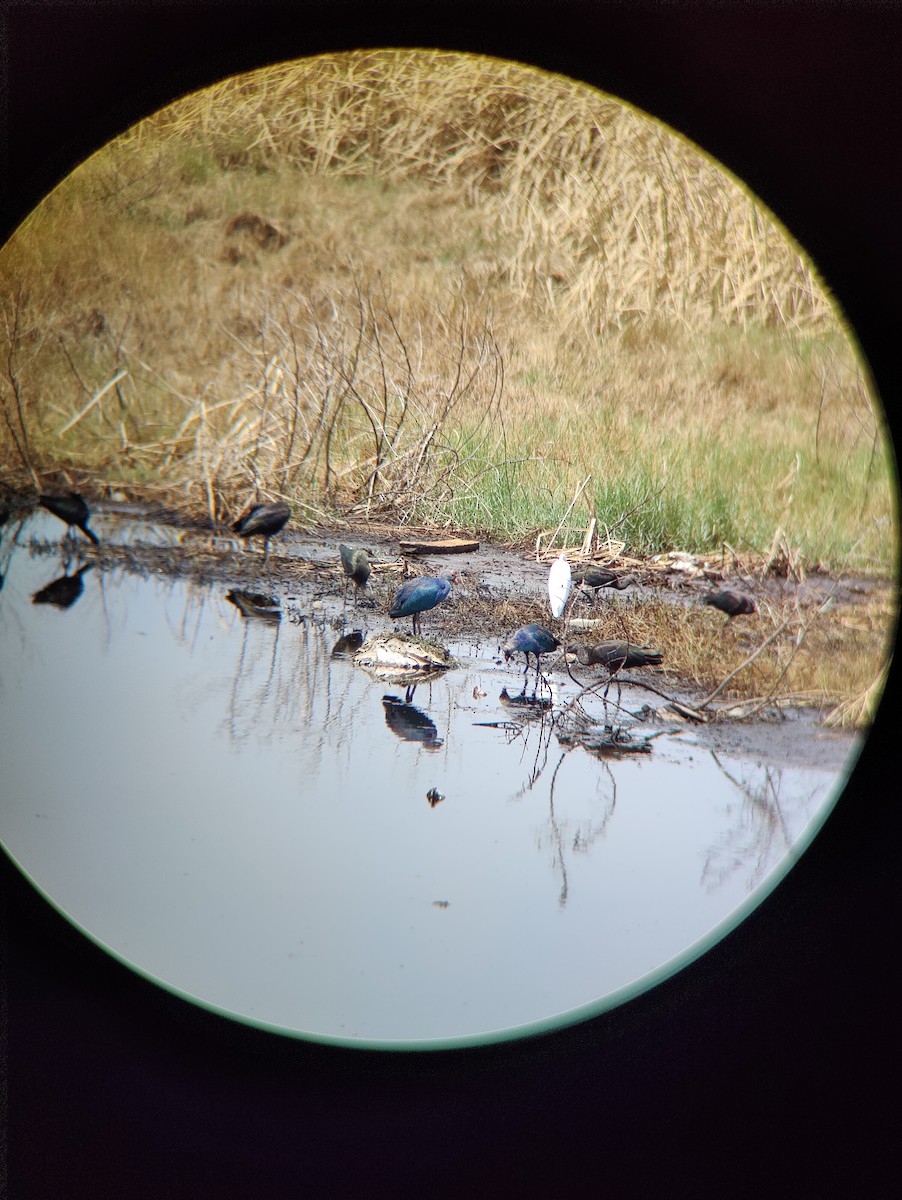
(245, 818)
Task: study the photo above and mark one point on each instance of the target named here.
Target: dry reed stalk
(860, 710)
(551, 537)
(571, 170)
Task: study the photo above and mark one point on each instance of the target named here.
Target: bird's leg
(265, 548)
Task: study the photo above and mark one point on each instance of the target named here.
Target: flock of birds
(418, 596)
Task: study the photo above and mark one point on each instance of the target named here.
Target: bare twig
(95, 399)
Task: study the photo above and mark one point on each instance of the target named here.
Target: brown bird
(600, 577)
(734, 604)
(616, 656)
(264, 520)
(356, 566)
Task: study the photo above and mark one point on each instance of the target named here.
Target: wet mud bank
(498, 588)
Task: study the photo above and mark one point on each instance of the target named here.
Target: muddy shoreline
(303, 571)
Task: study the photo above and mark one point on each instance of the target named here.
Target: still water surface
(240, 816)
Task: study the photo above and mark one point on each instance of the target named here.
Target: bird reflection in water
(410, 723)
(63, 592)
(348, 644)
(255, 604)
(526, 706)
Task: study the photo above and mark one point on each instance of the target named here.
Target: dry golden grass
(556, 166)
(824, 657)
(442, 289)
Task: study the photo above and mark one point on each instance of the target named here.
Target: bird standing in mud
(732, 603)
(264, 520)
(73, 510)
(356, 566)
(616, 656)
(419, 595)
(560, 581)
(595, 578)
(530, 639)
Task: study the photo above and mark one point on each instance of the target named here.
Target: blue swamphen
(356, 566)
(732, 603)
(264, 520)
(72, 509)
(530, 639)
(419, 595)
(616, 656)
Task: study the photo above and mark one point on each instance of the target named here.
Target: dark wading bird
(419, 595)
(356, 567)
(595, 578)
(530, 639)
(73, 510)
(63, 592)
(265, 520)
(616, 656)
(734, 604)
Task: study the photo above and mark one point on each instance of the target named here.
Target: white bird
(560, 581)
